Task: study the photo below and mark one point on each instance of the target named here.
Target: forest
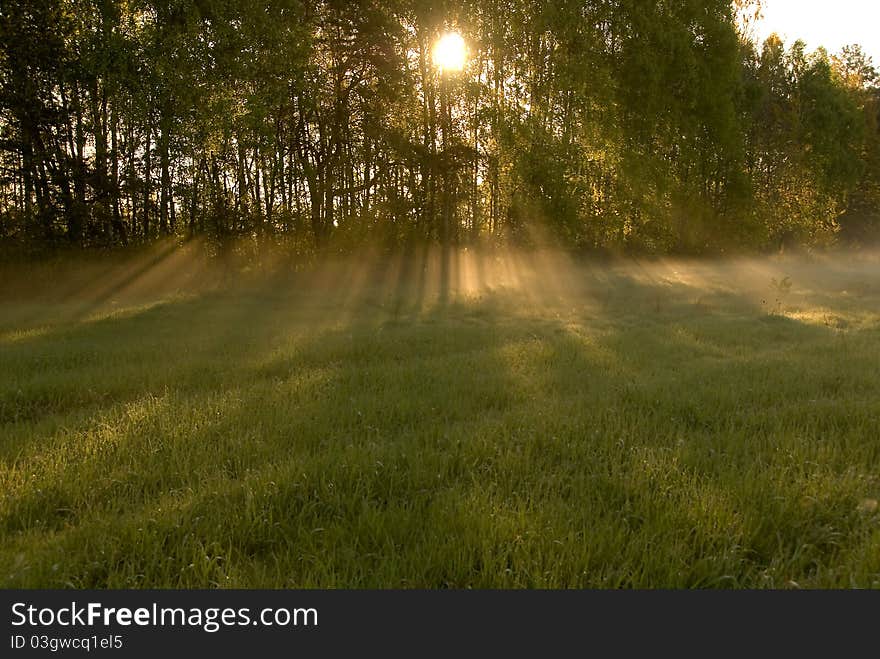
(633, 125)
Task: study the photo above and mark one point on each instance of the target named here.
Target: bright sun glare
(449, 53)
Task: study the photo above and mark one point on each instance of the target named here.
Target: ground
(503, 419)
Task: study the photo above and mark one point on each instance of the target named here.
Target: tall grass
(500, 420)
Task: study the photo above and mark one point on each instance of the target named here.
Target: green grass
(506, 421)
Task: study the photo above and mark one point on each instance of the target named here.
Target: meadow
(470, 420)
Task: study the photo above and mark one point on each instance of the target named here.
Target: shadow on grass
(374, 426)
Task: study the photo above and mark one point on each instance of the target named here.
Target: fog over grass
(431, 419)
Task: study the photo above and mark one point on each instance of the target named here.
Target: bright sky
(832, 24)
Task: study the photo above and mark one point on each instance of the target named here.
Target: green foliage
(618, 124)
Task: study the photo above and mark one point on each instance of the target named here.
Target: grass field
(501, 420)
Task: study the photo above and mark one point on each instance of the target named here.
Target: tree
(615, 123)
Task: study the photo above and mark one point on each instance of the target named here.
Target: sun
(449, 52)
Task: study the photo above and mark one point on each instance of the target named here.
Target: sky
(823, 23)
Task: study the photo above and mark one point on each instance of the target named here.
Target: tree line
(632, 124)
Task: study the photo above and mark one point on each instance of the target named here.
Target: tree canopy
(601, 124)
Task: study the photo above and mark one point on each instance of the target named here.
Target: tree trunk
(118, 225)
(147, 178)
(164, 166)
